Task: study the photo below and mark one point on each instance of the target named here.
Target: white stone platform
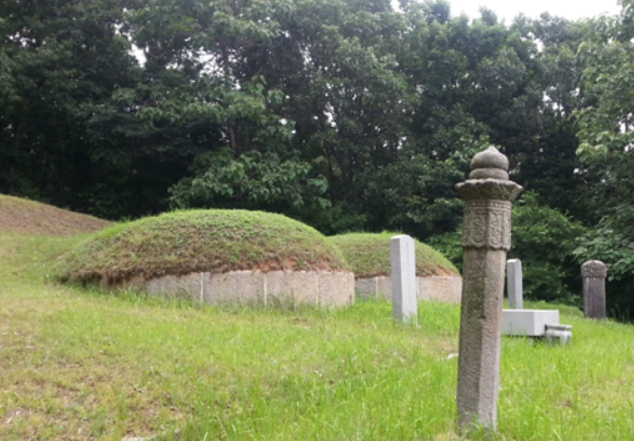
(528, 322)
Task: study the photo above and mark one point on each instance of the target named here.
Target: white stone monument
(403, 260)
(514, 288)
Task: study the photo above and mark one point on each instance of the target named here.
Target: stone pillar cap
(594, 268)
(489, 164)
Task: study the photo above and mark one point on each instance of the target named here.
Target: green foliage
(547, 163)
(612, 242)
(369, 255)
(605, 120)
(613, 248)
(347, 115)
(252, 180)
(416, 193)
(331, 220)
(544, 240)
(215, 241)
(448, 244)
(60, 60)
(604, 124)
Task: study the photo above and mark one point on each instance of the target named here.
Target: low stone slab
(336, 289)
(316, 288)
(556, 333)
(438, 288)
(237, 287)
(190, 287)
(528, 322)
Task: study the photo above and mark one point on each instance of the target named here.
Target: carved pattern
(593, 269)
(481, 189)
(487, 224)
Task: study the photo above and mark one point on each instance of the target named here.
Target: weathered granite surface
(486, 237)
(330, 289)
(593, 274)
(446, 289)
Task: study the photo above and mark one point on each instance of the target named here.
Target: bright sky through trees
(507, 10)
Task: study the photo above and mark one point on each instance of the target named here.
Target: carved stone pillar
(486, 237)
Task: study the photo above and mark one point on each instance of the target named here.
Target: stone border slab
(438, 288)
(316, 288)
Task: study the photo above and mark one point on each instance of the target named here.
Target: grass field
(79, 365)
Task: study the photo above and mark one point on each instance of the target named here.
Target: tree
(197, 99)
(605, 121)
(59, 60)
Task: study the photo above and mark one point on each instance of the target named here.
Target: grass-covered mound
(214, 241)
(21, 216)
(369, 255)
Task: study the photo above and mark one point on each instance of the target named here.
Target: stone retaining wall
(439, 288)
(253, 287)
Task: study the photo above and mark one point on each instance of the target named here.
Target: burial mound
(369, 256)
(215, 256)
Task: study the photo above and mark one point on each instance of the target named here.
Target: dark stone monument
(593, 274)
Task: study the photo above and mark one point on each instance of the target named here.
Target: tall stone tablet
(514, 288)
(593, 274)
(486, 237)
(404, 307)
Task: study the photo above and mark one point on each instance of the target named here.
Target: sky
(508, 9)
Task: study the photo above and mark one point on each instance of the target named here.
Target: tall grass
(78, 364)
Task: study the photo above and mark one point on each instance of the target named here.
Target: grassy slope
(77, 365)
(369, 255)
(201, 240)
(21, 216)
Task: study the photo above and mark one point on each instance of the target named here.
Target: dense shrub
(544, 240)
